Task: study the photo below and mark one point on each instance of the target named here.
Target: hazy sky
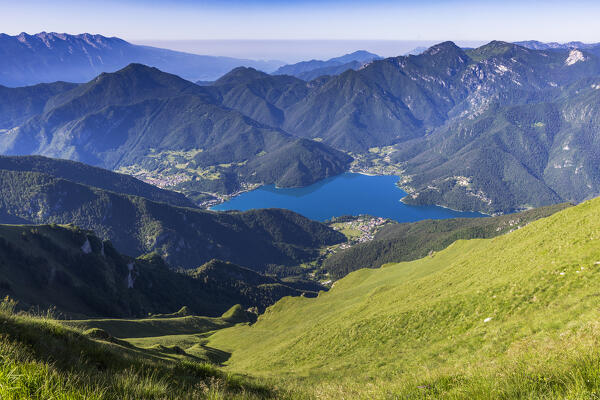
(379, 20)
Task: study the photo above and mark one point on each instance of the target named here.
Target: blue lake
(346, 194)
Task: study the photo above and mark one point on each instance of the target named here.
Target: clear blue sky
(309, 19)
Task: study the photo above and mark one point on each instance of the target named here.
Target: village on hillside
(359, 229)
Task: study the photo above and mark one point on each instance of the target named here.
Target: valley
(511, 307)
(186, 226)
(432, 118)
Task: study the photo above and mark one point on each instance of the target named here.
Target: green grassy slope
(179, 323)
(170, 336)
(43, 359)
(509, 317)
(148, 327)
(410, 241)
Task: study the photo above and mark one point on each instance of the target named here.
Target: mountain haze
(309, 70)
(49, 56)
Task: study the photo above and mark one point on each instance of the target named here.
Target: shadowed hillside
(77, 274)
(185, 237)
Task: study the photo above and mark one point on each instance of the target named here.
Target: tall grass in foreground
(42, 359)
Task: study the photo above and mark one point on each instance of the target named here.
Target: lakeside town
(357, 229)
(360, 229)
(218, 198)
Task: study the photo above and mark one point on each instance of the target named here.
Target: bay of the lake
(345, 194)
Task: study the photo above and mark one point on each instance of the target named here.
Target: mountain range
(157, 125)
(49, 57)
(537, 45)
(494, 129)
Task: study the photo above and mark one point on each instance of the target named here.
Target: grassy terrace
(511, 317)
(169, 336)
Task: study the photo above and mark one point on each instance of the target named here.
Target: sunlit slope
(511, 315)
(42, 359)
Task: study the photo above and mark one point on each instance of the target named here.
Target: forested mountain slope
(168, 131)
(495, 129)
(93, 176)
(185, 237)
(75, 273)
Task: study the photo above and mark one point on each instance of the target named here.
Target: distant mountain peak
(499, 45)
(49, 38)
(358, 55)
(445, 55)
(240, 74)
(416, 51)
(309, 70)
(132, 70)
(137, 68)
(575, 56)
(498, 48)
(441, 47)
(22, 37)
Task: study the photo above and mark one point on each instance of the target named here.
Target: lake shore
(345, 194)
